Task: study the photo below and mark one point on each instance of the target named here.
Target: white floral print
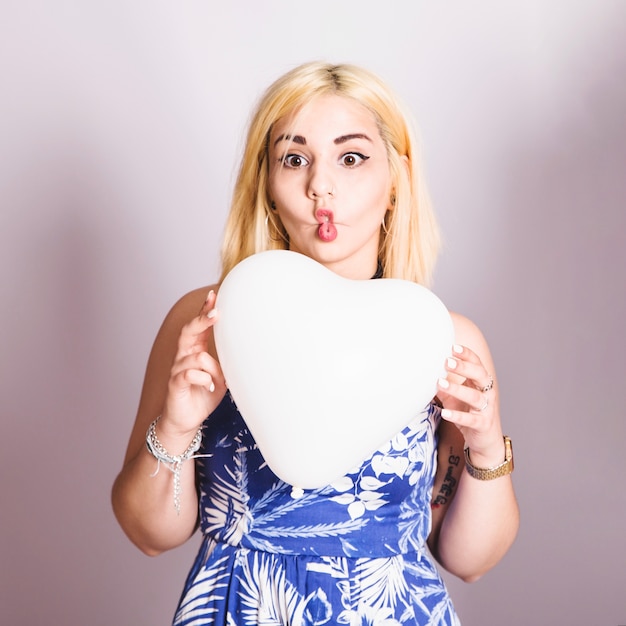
(351, 553)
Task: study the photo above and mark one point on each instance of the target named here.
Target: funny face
(330, 183)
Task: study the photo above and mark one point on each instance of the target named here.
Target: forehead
(329, 116)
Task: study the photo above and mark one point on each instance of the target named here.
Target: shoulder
(467, 333)
(188, 306)
(182, 312)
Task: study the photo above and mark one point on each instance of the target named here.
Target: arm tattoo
(446, 491)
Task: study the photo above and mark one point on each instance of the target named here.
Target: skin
(328, 166)
(334, 165)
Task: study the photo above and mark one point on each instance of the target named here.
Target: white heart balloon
(325, 369)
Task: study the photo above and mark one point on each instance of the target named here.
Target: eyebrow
(295, 138)
(345, 138)
(299, 139)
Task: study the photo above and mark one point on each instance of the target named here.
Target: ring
(483, 407)
(487, 387)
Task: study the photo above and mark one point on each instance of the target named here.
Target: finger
(484, 403)
(182, 381)
(464, 419)
(475, 373)
(194, 335)
(208, 308)
(194, 360)
(196, 326)
(487, 386)
(201, 361)
(470, 396)
(465, 362)
(200, 378)
(465, 353)
(209, 303)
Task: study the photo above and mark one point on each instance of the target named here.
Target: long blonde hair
(409, 235)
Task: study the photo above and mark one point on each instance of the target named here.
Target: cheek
(271, 183)
(373, 192)
(280, 185)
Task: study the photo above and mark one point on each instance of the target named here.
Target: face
(330, 183)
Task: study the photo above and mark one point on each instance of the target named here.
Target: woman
(330, 171)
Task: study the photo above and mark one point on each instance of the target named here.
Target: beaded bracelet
(173, 463)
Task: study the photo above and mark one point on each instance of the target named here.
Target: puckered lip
(324, 215)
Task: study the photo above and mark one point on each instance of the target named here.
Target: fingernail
(446, 413)
(451, 363)
(212, 313)
(212, 387)
(457, 348)
(209, 296)
(443, 383)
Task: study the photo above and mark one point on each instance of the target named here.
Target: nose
(320, 182)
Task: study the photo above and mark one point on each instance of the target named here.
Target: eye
(353, 159)
(294, 161)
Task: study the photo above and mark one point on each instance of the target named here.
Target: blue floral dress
(352, 552)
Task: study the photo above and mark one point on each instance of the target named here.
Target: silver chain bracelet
(173, 463)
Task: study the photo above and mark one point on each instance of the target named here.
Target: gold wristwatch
(493, 472)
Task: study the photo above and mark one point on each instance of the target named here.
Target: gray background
(120, 126)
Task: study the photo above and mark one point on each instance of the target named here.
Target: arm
(474, 521)
(183, 384)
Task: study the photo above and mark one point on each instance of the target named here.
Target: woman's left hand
(469, 397)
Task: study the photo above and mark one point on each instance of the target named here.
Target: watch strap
(505, 468)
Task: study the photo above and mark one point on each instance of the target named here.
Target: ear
(406, 167)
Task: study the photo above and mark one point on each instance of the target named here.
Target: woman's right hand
(196, 385)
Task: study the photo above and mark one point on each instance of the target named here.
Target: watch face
(508, 449)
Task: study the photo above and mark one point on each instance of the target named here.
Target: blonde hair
(409, 235)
